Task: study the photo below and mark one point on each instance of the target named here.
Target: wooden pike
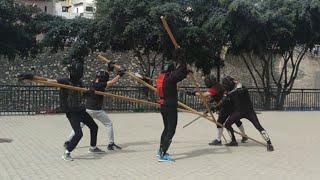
(42, 80)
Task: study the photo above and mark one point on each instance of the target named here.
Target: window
(45, 8)
(65, 9)
(89, 8)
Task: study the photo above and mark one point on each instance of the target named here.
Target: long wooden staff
(191, 77)
(105, 60)
(46, 81)
(166, 26)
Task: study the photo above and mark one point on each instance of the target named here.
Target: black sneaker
(113, 146)
(65, 145)
(244, 139)
(232, 143)
(215, 143)
(96, 151)
(270, 147)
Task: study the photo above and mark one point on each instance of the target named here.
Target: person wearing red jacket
(216, 92)
(167, 89)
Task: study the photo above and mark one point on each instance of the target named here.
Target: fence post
(301, 103)
(29, 96)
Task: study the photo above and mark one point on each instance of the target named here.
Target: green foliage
(203, 27)
(17, 33)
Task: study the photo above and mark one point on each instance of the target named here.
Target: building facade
(66, 8)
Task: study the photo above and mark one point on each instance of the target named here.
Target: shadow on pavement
(90, 156)
(201, 152)
(5, 140)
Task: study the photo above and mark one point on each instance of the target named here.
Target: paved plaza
(31, 148)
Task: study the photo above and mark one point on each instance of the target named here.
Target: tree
(78, 34)
(135, 25)
(266, 32)
(17, 35)
(208, 17)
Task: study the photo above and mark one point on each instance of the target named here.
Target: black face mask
(228, 84)
(76, 71)
(168, 68)
(103, 79)
(75, 76)
(102, 76)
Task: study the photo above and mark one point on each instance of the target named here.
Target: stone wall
(50, 66)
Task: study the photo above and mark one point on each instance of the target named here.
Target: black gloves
(24, 76)
(213, 107)
(121, 72)
(110, 66)
(191, 93)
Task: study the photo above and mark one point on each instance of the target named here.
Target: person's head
(210, 81)
(76, 71)
(167, 67)
(102, 76)
(228, 83)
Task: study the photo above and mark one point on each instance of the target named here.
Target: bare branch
(254, 66)
(298, 61)
(155, 65)
(141, 61)
(251, 73)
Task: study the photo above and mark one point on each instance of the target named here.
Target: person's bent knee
(78, 135)
(227, 126)
(94, 127)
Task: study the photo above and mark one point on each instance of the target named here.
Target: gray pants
(104, 119)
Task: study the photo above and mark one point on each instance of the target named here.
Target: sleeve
(98, 85)
(62, 81)
(178, 75)
(212, 91)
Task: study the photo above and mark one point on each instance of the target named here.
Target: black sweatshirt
(167, 86)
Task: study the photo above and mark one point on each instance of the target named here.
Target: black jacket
(167, 85)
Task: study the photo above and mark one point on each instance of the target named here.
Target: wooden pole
(117, 67)
(103, 59)
(165, 24)
(204, 101)
(45, 81)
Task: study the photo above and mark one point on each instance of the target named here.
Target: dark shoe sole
(270, 148)
(232, 144)
(213, 144)
(102, 152)
(244, 139)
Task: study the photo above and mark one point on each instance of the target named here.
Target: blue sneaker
(159, 152)
(165, 158)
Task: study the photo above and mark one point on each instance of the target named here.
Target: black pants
(236, 116)
(75, 118)
(224, 113)
(170, 119)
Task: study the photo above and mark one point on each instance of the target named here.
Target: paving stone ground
(31, 148)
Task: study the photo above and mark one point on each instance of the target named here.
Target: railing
(19, 100)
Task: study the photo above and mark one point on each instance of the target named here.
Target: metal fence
(20, 100)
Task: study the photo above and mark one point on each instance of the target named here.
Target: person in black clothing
(94, 103)
(239, 97)
(71, 103)
(167, 89)
(216, 91)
